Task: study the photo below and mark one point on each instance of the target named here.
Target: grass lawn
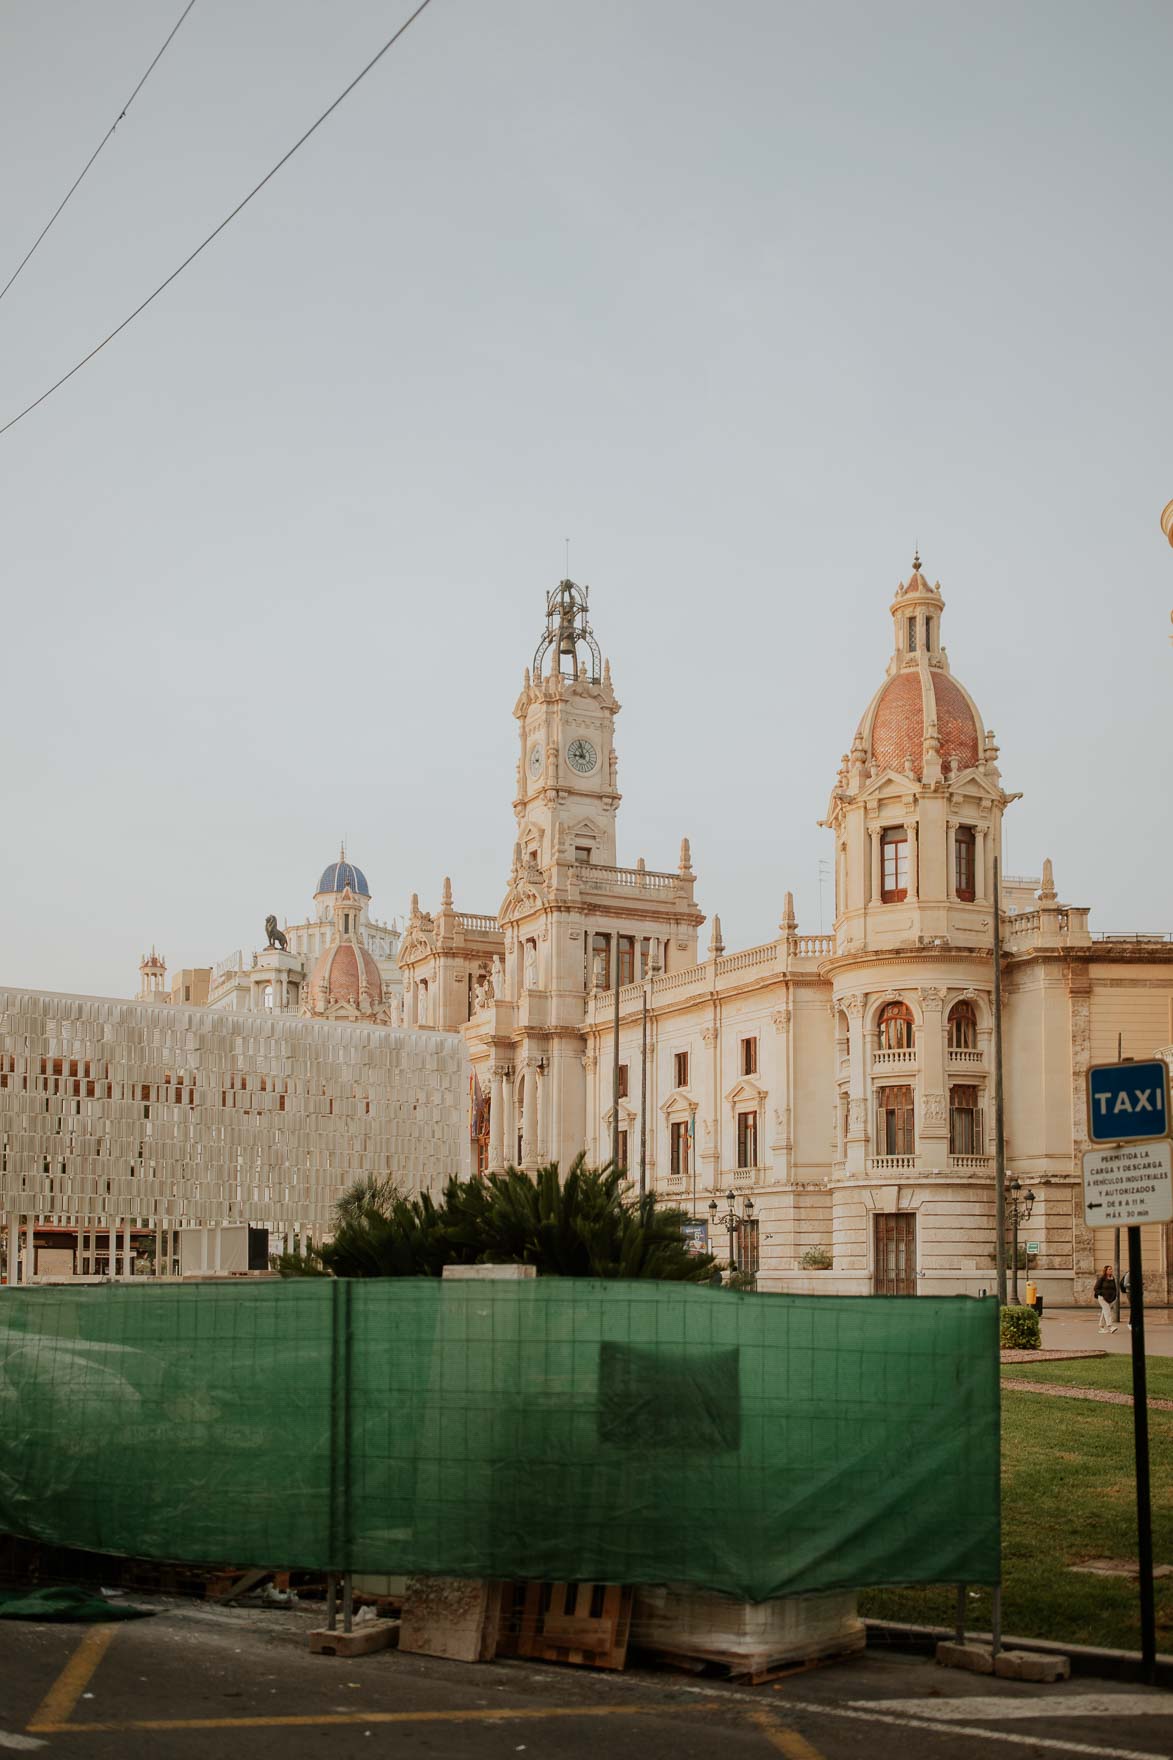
(1113, 1372)
(1068, 1493)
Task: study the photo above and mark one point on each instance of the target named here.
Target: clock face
(536, 754)
(581, 756)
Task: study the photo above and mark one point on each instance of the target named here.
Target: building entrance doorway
(895, 1244)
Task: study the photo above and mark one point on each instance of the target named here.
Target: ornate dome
(341, 874)
(899, 718)
(920, 714)
(344, 968)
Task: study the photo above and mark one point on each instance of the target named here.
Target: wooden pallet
(756, 1667)
(586, 1624)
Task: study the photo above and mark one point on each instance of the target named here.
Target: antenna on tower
(824, 880)
(566, 576)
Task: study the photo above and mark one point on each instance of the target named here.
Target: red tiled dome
(339, 966)
(898, 726)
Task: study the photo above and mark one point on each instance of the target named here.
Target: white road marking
(1065, 1704)
(1095, 1752)
(23, 1743)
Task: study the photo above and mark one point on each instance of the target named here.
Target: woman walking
(1105, 1293)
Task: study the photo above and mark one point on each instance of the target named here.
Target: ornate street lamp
(1021, 1205)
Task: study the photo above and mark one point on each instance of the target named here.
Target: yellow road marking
(787, 1741)
(494, 1715)
(73, 1680)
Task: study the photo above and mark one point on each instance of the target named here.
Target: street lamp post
(1020, 1210)
(653, 968)
(730, 1219)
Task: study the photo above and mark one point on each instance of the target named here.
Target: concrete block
(373, 1634)
(489, 1273)
(455, 1617)
(1031, 1665)
(977, 1658)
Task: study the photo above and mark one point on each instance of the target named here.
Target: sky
(745, 301)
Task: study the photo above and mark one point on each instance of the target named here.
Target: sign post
(1126, 1185)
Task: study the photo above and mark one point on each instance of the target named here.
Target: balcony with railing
(474, 924)
(891, 1163)
(904, 1058)
(964, 1058)
(970, 1163)
(601, 876)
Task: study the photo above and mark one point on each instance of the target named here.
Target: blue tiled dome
(340, 875)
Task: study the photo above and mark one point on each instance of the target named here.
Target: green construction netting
(564, 1430)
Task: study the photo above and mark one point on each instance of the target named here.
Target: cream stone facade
(122, 1123)
(841, 1083)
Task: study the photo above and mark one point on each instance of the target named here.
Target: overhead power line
(142, 82)
(228, 219)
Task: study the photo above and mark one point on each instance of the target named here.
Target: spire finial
(916, 559)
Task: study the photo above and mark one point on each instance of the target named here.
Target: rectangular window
(679, 1143)
(601, 961)
(964, 863)
(747, 1139)
(627, 959)
(582, 853)
(894, 1122)
(682, 1069)
(965, 1121)
(623, 1067)
(894, 865)
(928, 632)
(749, 1057)
(623, 1150)
(911, 635)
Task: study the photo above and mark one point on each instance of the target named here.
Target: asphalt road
(198, 1683)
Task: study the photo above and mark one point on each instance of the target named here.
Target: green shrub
(579, 1224)
(816, 1259)
(1019, 1329)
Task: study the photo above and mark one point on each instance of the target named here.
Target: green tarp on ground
(66, 1605)
(565, 1430)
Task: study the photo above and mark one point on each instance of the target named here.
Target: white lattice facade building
(842, 1083)
(123, 1122)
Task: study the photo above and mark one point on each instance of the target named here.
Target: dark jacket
(1106, 1287)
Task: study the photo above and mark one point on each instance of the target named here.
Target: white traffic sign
(1128, 1185)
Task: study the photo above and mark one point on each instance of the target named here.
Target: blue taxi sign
(1127, 1102)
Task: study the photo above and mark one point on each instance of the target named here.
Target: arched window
(894, 865)
(963, 1027)
(894, 1122)
(965, 854)
(895, 1027)
(965, 1121)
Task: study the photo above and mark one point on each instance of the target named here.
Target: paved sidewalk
(1105, 1395)
(1073, 1332)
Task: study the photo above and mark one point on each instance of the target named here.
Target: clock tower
(567, 794)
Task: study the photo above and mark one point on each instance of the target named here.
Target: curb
(1086, 1659)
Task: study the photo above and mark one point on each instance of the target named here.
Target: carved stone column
(782, 1142)
(711, 1153)
(933, 1138)
(857, 1108)
(877, 887)
(497, 1118)
(529, 1116)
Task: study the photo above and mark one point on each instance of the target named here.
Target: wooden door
(895, 1240)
